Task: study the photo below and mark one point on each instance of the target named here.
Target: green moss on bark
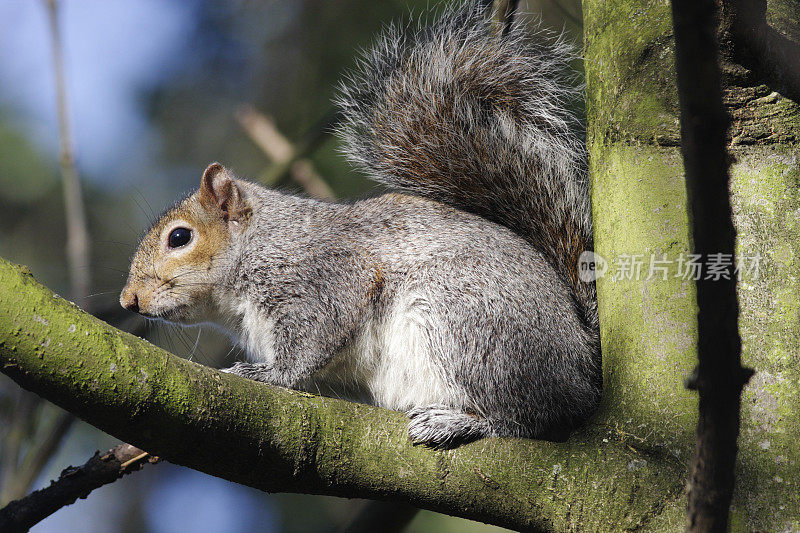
(629, 73)
(766, 199)
(639, 205)
(647, 317)
(287, 441)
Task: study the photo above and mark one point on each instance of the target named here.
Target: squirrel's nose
(129, 300)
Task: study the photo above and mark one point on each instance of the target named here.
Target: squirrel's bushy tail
(458, 113)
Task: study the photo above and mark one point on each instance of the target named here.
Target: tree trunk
(627, 468)
(648, 326)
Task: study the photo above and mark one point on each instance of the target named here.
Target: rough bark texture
(648, 326)
(73, 483)
(287, 441)
(765, 52)
(627, 469)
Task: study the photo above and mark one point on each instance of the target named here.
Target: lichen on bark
(626, 468)
(288, 441)
(639, 207)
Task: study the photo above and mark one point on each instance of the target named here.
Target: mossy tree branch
(279, 440)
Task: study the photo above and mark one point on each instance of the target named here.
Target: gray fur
(457, 301)
(456, 113)
(442, 427)
(501, 325)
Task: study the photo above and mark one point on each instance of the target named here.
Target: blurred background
(154, 91)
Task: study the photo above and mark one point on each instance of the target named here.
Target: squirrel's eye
(179, 237)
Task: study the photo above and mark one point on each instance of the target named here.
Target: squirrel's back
(458, 113)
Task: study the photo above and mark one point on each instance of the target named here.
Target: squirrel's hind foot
(440, 427)
(254, 371)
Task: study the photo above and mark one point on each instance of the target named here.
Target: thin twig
(73, 483)
(132, 460)
(306, 176)
(78, 260)
(77, 230)
(719, 376)
(279, 174)
(264, 133)
(286, 158)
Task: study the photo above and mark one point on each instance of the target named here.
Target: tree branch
(503, 14)
(279, 440)
(73, 483)
(265, 135)
(77, 229)
(719, 377)
(78, 253)
(279, 171)
(759, 47)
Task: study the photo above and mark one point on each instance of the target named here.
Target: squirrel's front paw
(441, 427)
(254, 371)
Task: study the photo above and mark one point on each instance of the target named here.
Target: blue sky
(114, 51)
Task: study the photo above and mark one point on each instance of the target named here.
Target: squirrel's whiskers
(456, 298)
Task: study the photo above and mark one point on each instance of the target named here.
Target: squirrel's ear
(219, 190)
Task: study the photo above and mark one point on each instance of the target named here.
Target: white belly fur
(389, 362)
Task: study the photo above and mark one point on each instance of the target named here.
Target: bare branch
(73, 483)
(303, 172)
(263, 131)
(77, 229)
(719, 377)
(22, 476)
(279, 173)
(265, 135)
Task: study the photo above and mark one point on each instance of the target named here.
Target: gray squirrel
(455, 299)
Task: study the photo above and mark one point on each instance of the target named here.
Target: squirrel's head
(182, 258)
